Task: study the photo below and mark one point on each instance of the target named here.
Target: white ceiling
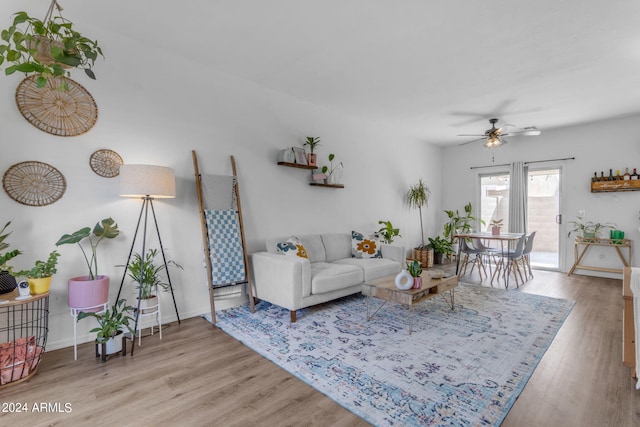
(436, 67)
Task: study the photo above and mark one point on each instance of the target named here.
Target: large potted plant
(417, 197)
(459, 223)
(46, 48)
(7, 279)
(111, 324)
(39, 277)
(148, 278)
(91, 290)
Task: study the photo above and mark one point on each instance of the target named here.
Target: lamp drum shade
(147, 180)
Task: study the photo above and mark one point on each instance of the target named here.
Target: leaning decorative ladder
(223, 238)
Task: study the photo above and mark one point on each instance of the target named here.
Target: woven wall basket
(34, 183)
(106, 163)
(56, 111)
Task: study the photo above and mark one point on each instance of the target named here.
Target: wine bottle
(595, 177)
(611, 178)
(602, 178)
(618, 177)
(634, 176)
(627, 175)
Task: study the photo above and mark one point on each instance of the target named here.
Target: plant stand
(153, 312)
(103, 348)
(101, 308)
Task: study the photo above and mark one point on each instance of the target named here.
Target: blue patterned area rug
(458, 368)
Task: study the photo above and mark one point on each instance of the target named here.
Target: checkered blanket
(225, 246)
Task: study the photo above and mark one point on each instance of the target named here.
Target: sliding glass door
(494, 199)
(543, 210)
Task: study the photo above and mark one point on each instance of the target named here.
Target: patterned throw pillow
(292, 247)
(365, 246)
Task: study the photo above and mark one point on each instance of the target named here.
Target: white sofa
(330, 271)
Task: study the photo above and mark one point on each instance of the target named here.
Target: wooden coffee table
(386, 290)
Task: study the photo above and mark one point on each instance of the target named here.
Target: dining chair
(488, 254)
(471, 256)
(510, 262)
(526, 254)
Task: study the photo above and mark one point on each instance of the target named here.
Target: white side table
(101, 308)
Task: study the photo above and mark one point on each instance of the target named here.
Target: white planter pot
(149, 305)
(113, 345)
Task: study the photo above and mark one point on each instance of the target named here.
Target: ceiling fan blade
(474, 140)
(528, 131)
(470, 134)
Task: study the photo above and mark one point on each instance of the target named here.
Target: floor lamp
(147, 182)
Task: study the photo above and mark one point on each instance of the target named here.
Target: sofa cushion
(292, 247)
(365, 246)
(312, 244)
(327, 277)
(336, 246)
(373, 268)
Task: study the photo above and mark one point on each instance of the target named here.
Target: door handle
(559, 219)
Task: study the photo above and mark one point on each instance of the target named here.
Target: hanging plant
(47, 48)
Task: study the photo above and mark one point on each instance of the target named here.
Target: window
(494, 199)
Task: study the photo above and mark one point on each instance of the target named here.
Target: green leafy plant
(312, 142)
(147, 274)
(417, 197)
(441, 245)
(111, 322)
(459, 223)
(496, 223)
(414, 268)
(588, 229)
(105, 229)
(7, 256)
(331, 168)
(46, 268)
(388, 232)
(46, 47)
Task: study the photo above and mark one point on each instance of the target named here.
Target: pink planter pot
(417, 282)
(85, 293)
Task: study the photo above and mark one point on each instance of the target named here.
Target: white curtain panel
(518, 198)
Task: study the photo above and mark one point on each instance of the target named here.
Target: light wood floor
(197, 375)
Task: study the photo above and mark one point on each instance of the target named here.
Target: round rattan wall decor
(106, 163)
(34, 183)
(60, 112)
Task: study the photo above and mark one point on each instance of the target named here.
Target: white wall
(156, 111)
(596, 147)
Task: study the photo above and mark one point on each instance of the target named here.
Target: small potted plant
(312, 142)
(39, 277)
(496, 224)
(415, 270)
(147, 276)
(329, 170)
(91, 290)
(388, 232)
(111, 324)
(440, 248)
(46, 48)
(588, 230)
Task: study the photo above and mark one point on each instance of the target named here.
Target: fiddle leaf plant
(105, 229)
(46, 48)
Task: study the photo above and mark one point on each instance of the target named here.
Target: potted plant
(415, 270)
(91, 290)
(496, 224)
(388, 232)
(417, 197)
(39, 277)
(46, 48)
(459, 223)
(111, 323)
(440, 248)
(147, 275)
(7, 275)
(588, 230)
(329, 170)
(312, 142)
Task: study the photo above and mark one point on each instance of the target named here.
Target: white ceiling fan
(494, 137)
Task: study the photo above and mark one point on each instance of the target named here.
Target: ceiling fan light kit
(494, 137)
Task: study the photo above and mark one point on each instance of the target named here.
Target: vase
(40, 285)
(417, 282)
(328, 180)
(311, 159)
(88, 294)
(404, 281)
(7, 282)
